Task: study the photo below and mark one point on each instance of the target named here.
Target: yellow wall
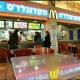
(41, 2)
(68, 5)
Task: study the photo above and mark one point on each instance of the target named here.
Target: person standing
(21, 37)
(37, 39)
(13, 40)
(47, 42)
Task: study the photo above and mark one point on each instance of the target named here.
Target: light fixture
(35, 21)
(18, 19)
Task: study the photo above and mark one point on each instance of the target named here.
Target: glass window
(1, 24)
(9, 24)
(34, 26)
(20, 25)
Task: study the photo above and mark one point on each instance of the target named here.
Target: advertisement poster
(54, 43)
(9, 24)
(20, 25)
(34, 26)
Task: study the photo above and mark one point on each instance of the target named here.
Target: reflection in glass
(9, 24)
(1, 24)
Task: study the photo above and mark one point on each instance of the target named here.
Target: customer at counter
(47, 42)
(37, 39)
(13, 40)
(21, 37)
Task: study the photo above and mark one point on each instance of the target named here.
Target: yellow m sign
(54, 74)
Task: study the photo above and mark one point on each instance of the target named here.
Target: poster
(20, 25)
(53, 33)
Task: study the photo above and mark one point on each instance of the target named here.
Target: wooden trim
(5, 14)
(67, 11)
(71, 22)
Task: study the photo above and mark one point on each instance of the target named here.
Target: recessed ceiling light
(18, 19)
(35, 21)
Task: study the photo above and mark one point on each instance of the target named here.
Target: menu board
(1, 24)
(9, 24)
(34, 26)
(20, 25)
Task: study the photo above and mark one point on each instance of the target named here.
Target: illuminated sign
(22, 9)
(67, 16)
(52, 13)
(63, 16)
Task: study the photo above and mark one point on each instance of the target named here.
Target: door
(78, 34)
(71, 34)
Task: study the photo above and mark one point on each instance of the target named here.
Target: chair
(50, 51)
(4, 55)
(78, 55)
(78, 46)
(38, 50)
(47, 50)
(22, 52)
(64, 48)
(37, 46)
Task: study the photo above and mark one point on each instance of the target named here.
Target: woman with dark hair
(47, 42)
(37, 39)
(13, 41)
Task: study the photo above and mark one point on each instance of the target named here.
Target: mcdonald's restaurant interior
(39, 40)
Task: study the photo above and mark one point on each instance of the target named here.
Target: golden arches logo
(54, 74)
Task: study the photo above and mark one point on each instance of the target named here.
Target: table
(46, 67)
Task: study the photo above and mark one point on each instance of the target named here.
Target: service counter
(26, 44)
